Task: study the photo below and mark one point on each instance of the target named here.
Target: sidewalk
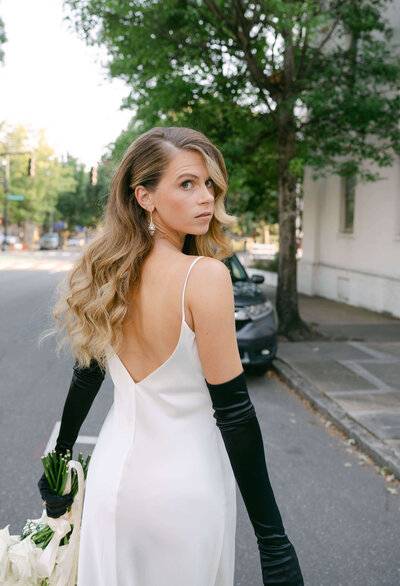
(353, 377)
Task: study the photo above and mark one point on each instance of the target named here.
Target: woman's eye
(209, 183)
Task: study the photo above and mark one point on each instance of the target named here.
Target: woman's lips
(205, 216)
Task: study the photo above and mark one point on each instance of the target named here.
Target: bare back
(151, 327)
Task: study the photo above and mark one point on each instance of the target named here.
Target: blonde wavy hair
(92, 299)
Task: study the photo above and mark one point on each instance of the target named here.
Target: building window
(349, 188)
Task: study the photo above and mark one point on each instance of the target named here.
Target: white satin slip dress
(160, 496)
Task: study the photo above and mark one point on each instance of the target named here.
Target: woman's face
(184, 192)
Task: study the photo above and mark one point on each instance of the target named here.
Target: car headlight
(254, 311)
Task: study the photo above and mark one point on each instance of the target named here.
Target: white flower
(58, 568)
(4, 543)
(23, 558)
(61, 553)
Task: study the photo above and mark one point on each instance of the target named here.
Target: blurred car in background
(10, 239)
(73, 241)
(256, 319)
(50, 241)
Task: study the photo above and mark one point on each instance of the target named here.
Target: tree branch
(243, 38)
(304, 74)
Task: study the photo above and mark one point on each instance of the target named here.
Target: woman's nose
(207, 194)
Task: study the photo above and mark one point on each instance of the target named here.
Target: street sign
(15, 197)
(61, 225)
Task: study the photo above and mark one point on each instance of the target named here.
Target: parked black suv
(255, 317)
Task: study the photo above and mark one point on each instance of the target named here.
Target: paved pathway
(353, 376)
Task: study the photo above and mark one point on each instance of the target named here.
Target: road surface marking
(55, 266)
(81, 439)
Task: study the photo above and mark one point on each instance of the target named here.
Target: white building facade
(351, 241)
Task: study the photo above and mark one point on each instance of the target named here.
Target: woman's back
(152, 325)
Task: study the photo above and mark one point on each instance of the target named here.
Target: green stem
(55, 464)
(46, 543)
(64, 480)
(48, 472)
(58, 477)
(64, 475)
(42, 534)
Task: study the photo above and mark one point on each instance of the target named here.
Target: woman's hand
(56, 505)
(279, 563)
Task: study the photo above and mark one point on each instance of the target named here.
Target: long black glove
(238, 423)
(85, 385)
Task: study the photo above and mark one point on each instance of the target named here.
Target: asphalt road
(339, 512)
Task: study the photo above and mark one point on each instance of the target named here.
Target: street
(342, 516)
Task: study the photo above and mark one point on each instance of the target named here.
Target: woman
(160, 506)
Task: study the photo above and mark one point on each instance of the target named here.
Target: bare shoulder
(211, 268)
(213, 310)
(210, 281)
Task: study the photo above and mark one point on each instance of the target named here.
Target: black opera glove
(85, 385)
(238, 423)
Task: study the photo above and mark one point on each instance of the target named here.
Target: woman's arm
(238, 423)
(211, 302)
(85, 385)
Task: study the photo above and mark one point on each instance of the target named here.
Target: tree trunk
(286, 296)
(290, 323)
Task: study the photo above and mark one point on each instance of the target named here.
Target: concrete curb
(381, 453)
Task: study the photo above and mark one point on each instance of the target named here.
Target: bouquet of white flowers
(46, 552)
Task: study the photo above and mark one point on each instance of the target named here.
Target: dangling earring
(152, 227)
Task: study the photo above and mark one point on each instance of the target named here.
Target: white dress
(160, 497)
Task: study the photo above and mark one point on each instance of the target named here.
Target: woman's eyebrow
(190, 175)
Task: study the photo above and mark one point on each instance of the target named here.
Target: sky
(52, 80)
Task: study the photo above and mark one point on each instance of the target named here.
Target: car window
(235, 268)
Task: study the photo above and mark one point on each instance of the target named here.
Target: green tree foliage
(71, 203)
(3, 39)
(96, 195)
(41, 191)
(59, 190)
(277, 84)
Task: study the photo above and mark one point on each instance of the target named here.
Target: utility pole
(6, 184)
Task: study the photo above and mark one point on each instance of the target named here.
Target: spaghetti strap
(184, 287)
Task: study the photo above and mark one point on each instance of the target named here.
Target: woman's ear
(143, 197)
